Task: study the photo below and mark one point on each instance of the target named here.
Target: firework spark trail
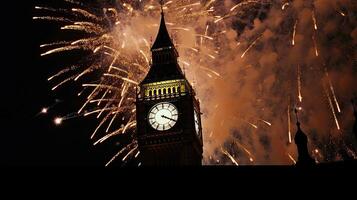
(120, 152)
(98, 101)
(265, 122)
(315, 45)
(251, 124)
(206, 31)
(63, 72)
(342, 14)
(246, 150)
(59, 120)
(289, 124)
(292, 159)
(251, 45)
(102, 98)
(46, 109)
(87, 27)
(314, 19)
(50, 18)
(130, 152)
(64, 81)
(89, 97)
(101, 86)
(318, 155)
(189, 5)
(61, 49)
(180, 28)
(109, 135)
(85, 13)
(284, 5)
(229, 156)
(100, 124)
(332, 91)
(74, 2)
(242, 4)
(211, 70)
(55, 43)
(299, 82)
(122, 78)
(233, 11)
(46, 8)
(205, 36)
(97, 111)
(331, 107)
(294, 33)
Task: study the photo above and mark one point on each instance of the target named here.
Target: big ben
(169, 130)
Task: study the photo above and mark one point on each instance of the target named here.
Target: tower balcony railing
(161, 96)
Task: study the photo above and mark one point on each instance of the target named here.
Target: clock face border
(162, 116)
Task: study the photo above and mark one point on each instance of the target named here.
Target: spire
(161, 6)
(301, 140)
(164, 64)
(300, 136)
(163, 38)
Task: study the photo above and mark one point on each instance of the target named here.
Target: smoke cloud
(262, 84)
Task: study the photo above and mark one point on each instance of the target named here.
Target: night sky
(27, 137)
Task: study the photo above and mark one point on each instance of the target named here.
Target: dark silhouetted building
(168, 114)
(301, 140)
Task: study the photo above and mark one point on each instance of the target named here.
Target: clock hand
(163, 116)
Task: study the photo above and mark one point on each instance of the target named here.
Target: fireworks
(289, 125)
(294, 33)
(314, 20)
(332, 108)
(115, 39)
(315, 46)
(250, 46)
(299, 82)
(291, 158)
(121, 53)
(266, 122)
(333, 92)
(44, 110)
(58, 120)
(229, 156)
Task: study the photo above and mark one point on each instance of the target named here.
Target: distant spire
(301, 140)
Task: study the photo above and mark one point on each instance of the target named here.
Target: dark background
(28, 138)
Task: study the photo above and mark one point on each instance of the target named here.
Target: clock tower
(169, 131)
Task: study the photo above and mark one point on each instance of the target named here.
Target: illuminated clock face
(163, 116)
(197, 123)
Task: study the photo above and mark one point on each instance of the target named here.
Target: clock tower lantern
(169, 131)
